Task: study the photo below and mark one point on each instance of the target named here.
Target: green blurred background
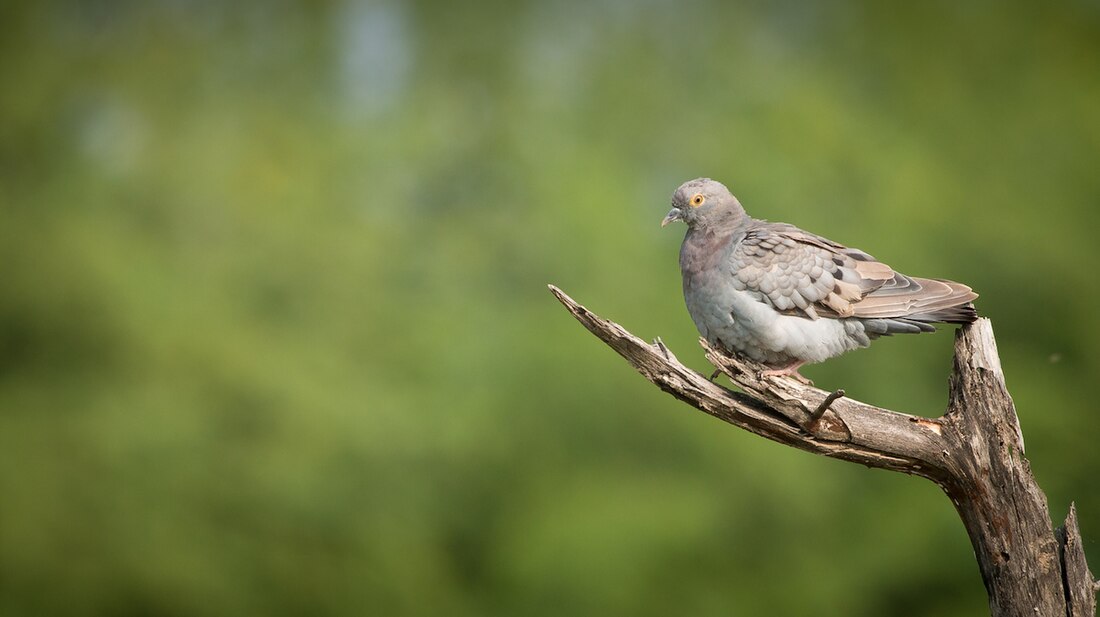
(275, 336)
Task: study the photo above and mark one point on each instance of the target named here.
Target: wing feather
(803, 274)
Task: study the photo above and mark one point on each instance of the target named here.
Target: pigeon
(785, 297)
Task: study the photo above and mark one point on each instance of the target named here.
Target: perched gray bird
(785, 297)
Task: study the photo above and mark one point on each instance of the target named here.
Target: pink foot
(791, 370)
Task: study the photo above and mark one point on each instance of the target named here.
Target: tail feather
(963, 314)
(910, 305)
(919, 299)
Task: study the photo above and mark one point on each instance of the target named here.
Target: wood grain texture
(975, 452)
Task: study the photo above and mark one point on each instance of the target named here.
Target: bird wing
(797, 272)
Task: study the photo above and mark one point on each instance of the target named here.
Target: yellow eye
(697, 200)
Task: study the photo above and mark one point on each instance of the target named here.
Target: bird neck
(702, 245)
(724, 225)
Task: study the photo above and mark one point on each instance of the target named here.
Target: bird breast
(740, 321)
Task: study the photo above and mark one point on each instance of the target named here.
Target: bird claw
(788, 371)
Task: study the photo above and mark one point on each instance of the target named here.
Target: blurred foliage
(275, 338)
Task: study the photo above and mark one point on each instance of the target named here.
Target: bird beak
(672, 216)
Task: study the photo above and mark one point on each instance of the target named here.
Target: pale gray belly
(739, 322)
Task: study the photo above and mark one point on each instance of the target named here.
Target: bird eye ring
(697, 200)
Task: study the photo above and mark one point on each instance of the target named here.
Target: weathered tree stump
(974, 452)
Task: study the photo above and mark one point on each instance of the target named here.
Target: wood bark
(974, 452)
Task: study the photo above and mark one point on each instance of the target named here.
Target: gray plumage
(783, 296)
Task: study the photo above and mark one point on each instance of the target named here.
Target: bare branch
(975, 452)
(816, 415)
(1080, 588)
(778, 408)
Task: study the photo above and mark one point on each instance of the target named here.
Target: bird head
(706, 203)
